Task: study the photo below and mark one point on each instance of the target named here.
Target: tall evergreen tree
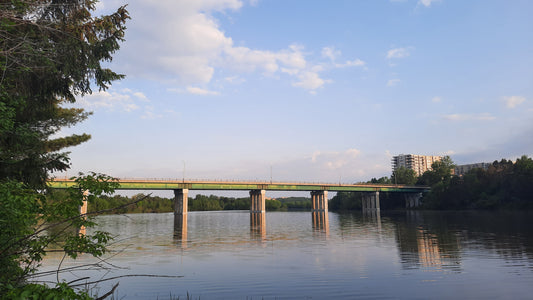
(50, 52)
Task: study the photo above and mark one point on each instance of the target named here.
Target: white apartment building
(415, 162)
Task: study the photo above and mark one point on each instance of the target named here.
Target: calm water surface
(295, 255)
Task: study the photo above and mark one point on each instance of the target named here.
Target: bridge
(319, 197)
(319, 191)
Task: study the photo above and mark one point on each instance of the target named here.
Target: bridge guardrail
(255, 181)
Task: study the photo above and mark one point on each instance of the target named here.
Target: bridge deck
(147, 184)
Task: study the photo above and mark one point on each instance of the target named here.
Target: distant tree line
(504, 185)
(155, 204)
(212, 202)
(344, 201)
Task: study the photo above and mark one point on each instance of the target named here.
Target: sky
(310, 91)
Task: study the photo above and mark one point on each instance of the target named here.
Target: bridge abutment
(181, 197)
(370, 201)
(257, 201)
(319, 201)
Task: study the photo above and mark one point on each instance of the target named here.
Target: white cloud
(449, 152)
(235, 79)
(393, 82)
(513, 101)
(352, 63)
(193, 90)
(399, 52)
(427, 3)
(150, 114)
(249, 60)
(469, 117)
(310, 81)
(436, 99)
(182, 42)
(335, 160)
(174, 38)
(141, 96)
(111, 100)
(346, 166)
(332, 54)
(200, 91)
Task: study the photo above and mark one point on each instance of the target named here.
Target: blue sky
(310, 90)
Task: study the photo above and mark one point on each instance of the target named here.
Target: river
(293, 255)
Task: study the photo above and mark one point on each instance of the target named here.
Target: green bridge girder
(247, 185)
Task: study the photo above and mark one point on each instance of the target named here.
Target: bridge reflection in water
(321, 222)
(180, 229)
(258, 228)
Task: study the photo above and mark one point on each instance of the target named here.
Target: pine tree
(51, 51)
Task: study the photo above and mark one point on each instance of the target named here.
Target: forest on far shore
(156, 204)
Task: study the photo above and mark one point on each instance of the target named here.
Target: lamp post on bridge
(183, 171)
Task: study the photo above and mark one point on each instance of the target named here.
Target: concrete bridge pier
(319, 201)
(412, 199)
(83, 211)
(83, 207)
(370, 201)
(181, 197)
(257, 201)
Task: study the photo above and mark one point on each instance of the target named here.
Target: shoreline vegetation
(156, 204)
(52, 53)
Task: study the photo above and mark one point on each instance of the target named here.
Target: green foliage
(441, 172)
(298, 205)
(229, 203)
(18, 216)
(149, 204)
(204, 203)
(39, 291)
(381, 180)
(345, 201)
(273, 204)
(403, 175)
(50, 52)
(503, 185)
(31, 225)
(295, 203)
(154, 204)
